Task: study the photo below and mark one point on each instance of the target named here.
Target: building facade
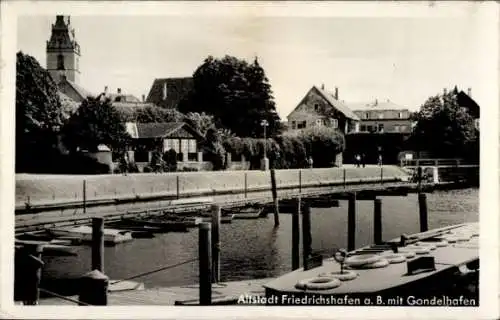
(321, 108)
(383, 117)
(63, 52)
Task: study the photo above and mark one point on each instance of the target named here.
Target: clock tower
(63, 52)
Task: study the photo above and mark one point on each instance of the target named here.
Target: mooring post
(204, 254)
(275, 198)
(306, 235)
(344, 178)
(381, 175)
(351, 222)
(216, 215)
(246, 184)
(300, 181)
(84, 196)
(296, 236)
(422, 206)
(177, 183)
(32, 263)
(377, 221)
(98, 244)
(94, 289)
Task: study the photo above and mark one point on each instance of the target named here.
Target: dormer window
(60, 62)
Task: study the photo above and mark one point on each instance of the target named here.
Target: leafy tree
(200, 121)
(236, 93)
(214, 149)
(95, 122)
(170, 160)
(445, 128)
(157, 162)
(39, 114)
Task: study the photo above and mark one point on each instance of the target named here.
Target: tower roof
(63, 36)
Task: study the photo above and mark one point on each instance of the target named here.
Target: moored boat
(111, 236)
(49, 248)
(159, 226)
(245, 213)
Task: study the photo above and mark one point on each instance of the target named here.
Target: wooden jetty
(424, 264)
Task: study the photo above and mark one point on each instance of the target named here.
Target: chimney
(106, 90)
(336, 93)
(322, 86)
(469, 92)
(119, 90)
(376, 102)
(143, 97)
(444, 91)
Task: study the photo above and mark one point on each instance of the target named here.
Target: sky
(405, 59)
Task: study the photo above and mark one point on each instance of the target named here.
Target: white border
(489, 191)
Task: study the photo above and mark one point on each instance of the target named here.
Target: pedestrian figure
(358, 160)
(380, 160)
(310, 162)
(363, 159)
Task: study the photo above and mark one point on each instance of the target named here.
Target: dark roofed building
(465, 100)
(150, 137)
(168, 92)
(383, 116)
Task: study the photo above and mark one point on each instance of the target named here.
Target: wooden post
(344, 178)
(246, 184)
(205, 262)
(381, 175)
(351, 222)
(306, 235)
(178, 193)
(94, 289)
(98, 244)
(84, 196)
(300, 181)
(31, 260)
(216, 214)
(296, 236)
(275, 198)
(377, 221)
(422, 206)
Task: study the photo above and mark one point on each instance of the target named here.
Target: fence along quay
(310, 261)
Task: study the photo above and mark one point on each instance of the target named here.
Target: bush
(170, 161)
(147, 169)
(188, 169)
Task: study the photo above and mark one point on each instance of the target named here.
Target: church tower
(63, 52)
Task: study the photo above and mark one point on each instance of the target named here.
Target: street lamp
(265, 161)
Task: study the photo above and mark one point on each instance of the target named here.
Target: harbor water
(253, 249)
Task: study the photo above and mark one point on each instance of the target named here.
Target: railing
(431, 162)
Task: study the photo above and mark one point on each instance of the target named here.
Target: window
(294, 125)
(335, 123)
(192, 146)
(301, 125)
(175, 145)
(381, 115)
(363, 128)
(60, 62)
(319, 122)
(380, 128)
(369, 128)
(316, 107)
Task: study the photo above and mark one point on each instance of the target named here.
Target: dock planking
(168, 296)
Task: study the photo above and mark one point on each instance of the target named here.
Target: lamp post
(265, 161)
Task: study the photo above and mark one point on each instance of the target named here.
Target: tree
(95, 122)
(201, 122)
(236, 93)
(39, 114)
(444, 127)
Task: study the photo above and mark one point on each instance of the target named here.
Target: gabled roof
(83, 93)
(376, 105)
(465, 100)
(176, 90)
(126, 98)
(157, 129)
(334, 103)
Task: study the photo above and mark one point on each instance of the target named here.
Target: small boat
(245, 213)
(111, 236)
(142, 235)
(228, 218)
(144, 225)
(188, 221)
(49, 249)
